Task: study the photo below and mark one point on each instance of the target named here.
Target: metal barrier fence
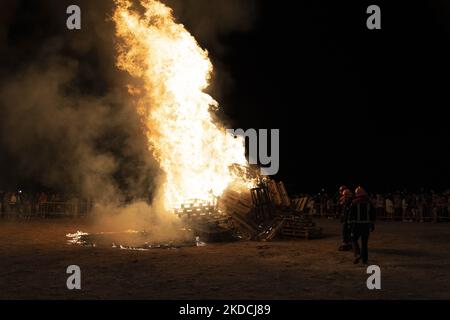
(421, 214)
(307, 205)
(47, 209)
(74, 209)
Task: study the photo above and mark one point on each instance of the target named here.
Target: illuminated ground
(414, 258)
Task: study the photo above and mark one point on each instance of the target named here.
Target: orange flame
(195, 152)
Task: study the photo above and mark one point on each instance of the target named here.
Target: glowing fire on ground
(195, 153)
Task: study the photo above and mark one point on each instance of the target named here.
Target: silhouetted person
(397, 200)
(345, 200)
(361, 220)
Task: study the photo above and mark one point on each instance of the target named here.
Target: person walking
(362, 222)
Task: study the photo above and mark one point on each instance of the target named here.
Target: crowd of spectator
(28, 204)
(398, 206)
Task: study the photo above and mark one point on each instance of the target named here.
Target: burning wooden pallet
(248, 215)
(206, 220)
(198, 210)
(239, 207)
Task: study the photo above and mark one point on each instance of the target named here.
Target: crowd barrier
(46, 209)
(308, 206)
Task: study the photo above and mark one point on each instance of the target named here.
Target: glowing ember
(128, 240)
(195, 153)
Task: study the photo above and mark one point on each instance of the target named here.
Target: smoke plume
(66, 120)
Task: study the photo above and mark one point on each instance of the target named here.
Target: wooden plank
(286, 201)
(232, 194)
(246, 197)
(237, 207)
(275, 230)
(244, 224)
(274, 192)
(303, 203)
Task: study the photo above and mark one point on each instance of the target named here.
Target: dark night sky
(353, 105)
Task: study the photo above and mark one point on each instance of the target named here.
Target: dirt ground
(414, 260)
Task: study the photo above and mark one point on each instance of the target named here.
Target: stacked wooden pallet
(302, 226)
(198, 210)
(288, 221)
(206, 220)
(278, 193)
(238, 205)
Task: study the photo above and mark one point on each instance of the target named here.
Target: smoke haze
(66, 120)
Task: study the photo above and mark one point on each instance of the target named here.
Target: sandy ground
(414, 259)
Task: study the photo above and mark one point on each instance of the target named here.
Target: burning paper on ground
(128, 240)
(76, 238)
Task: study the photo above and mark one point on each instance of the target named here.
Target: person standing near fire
(390, 212)
(362, 222)
(345, 200)
(380, 205)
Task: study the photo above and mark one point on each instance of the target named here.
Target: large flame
(195, 152)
